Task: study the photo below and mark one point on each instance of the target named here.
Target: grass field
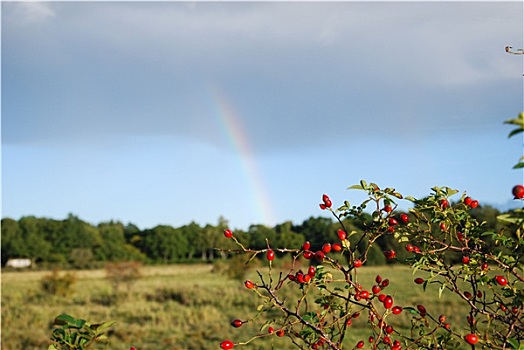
(180, 307)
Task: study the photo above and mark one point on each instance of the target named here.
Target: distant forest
(73, 243)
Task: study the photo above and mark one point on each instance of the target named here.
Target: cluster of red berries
(472, 203)
(326, 248)
(403, 218)
(326, 202)
(301, 277)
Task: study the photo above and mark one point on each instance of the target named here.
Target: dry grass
(177, 307)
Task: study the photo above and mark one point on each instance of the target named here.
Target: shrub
(59, 284)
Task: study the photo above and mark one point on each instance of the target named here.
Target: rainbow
(236, 135)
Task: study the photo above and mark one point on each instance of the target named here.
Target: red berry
(270, 255)
(378, 279)
(307, 278)
(390, 254)
(422, 310)
(393, 222)
(382, 297)
(484, 266)
(396, 310)
(280, 332)
(471, 339)
(444, 203)
(442, 318)
(360, 344)
(389, 329)
(311, 271)
(249, 284)
(409, 247)
(376, 289)
(501, 280)
(300, 277)
(419, 280)
(391, 229)
(371, 339)
(404, 218)
(468, 201)
(357, 263)
(474, 204)
(336, 247)
(306, 245)
(388, 302)
(364, 294)
(237, 323)
(227, 344)
(416, 249)
(322, 206)
(387, 208)
(270, 330)
(467, 295)
(385, 283)
(341, 234)
(443, 226)
(228, 233)
(308, 254)
(326, 200)
(326, 248)
(319, 255)
(465, 259)
(518, 192)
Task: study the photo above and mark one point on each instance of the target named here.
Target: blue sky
(172, 112)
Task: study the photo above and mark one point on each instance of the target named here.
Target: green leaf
(519, 165)
(101, 328)
(411, 310)
(514, 343)
(355, 187)
(363, 184)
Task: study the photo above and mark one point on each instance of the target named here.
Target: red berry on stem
(376, 289)
(357, 263)
(422, 310)
(326, 248)
(280, 332)
(228, 233)
(237, 323)
(319, 255)
(393, 222)
(468, 201)
(249, 284)
(465, 259)
(501, 280)
(341, 234)
(378, 279)
(385, 283)
(308, 254)
(387, 208)
(336, 247)
(419, 280)
(390, 254)
(306, 245)
(404, 218)
(270, 330)
(270, 255)
(444, 203)
(396, 310)
(474, 204)
(227, 344)
(311, 271)
(471, 339)
(322, 206)
(360, 344)
(518, 192)
(388, 302)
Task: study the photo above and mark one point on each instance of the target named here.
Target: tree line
(74, 243)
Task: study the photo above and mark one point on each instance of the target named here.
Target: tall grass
(179, 307)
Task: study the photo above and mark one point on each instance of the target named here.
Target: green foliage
(77, 334)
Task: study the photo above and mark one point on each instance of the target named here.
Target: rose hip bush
(457, 252)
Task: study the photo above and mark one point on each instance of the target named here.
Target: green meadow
(183, 307)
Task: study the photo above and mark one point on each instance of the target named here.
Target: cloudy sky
(172, 112)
